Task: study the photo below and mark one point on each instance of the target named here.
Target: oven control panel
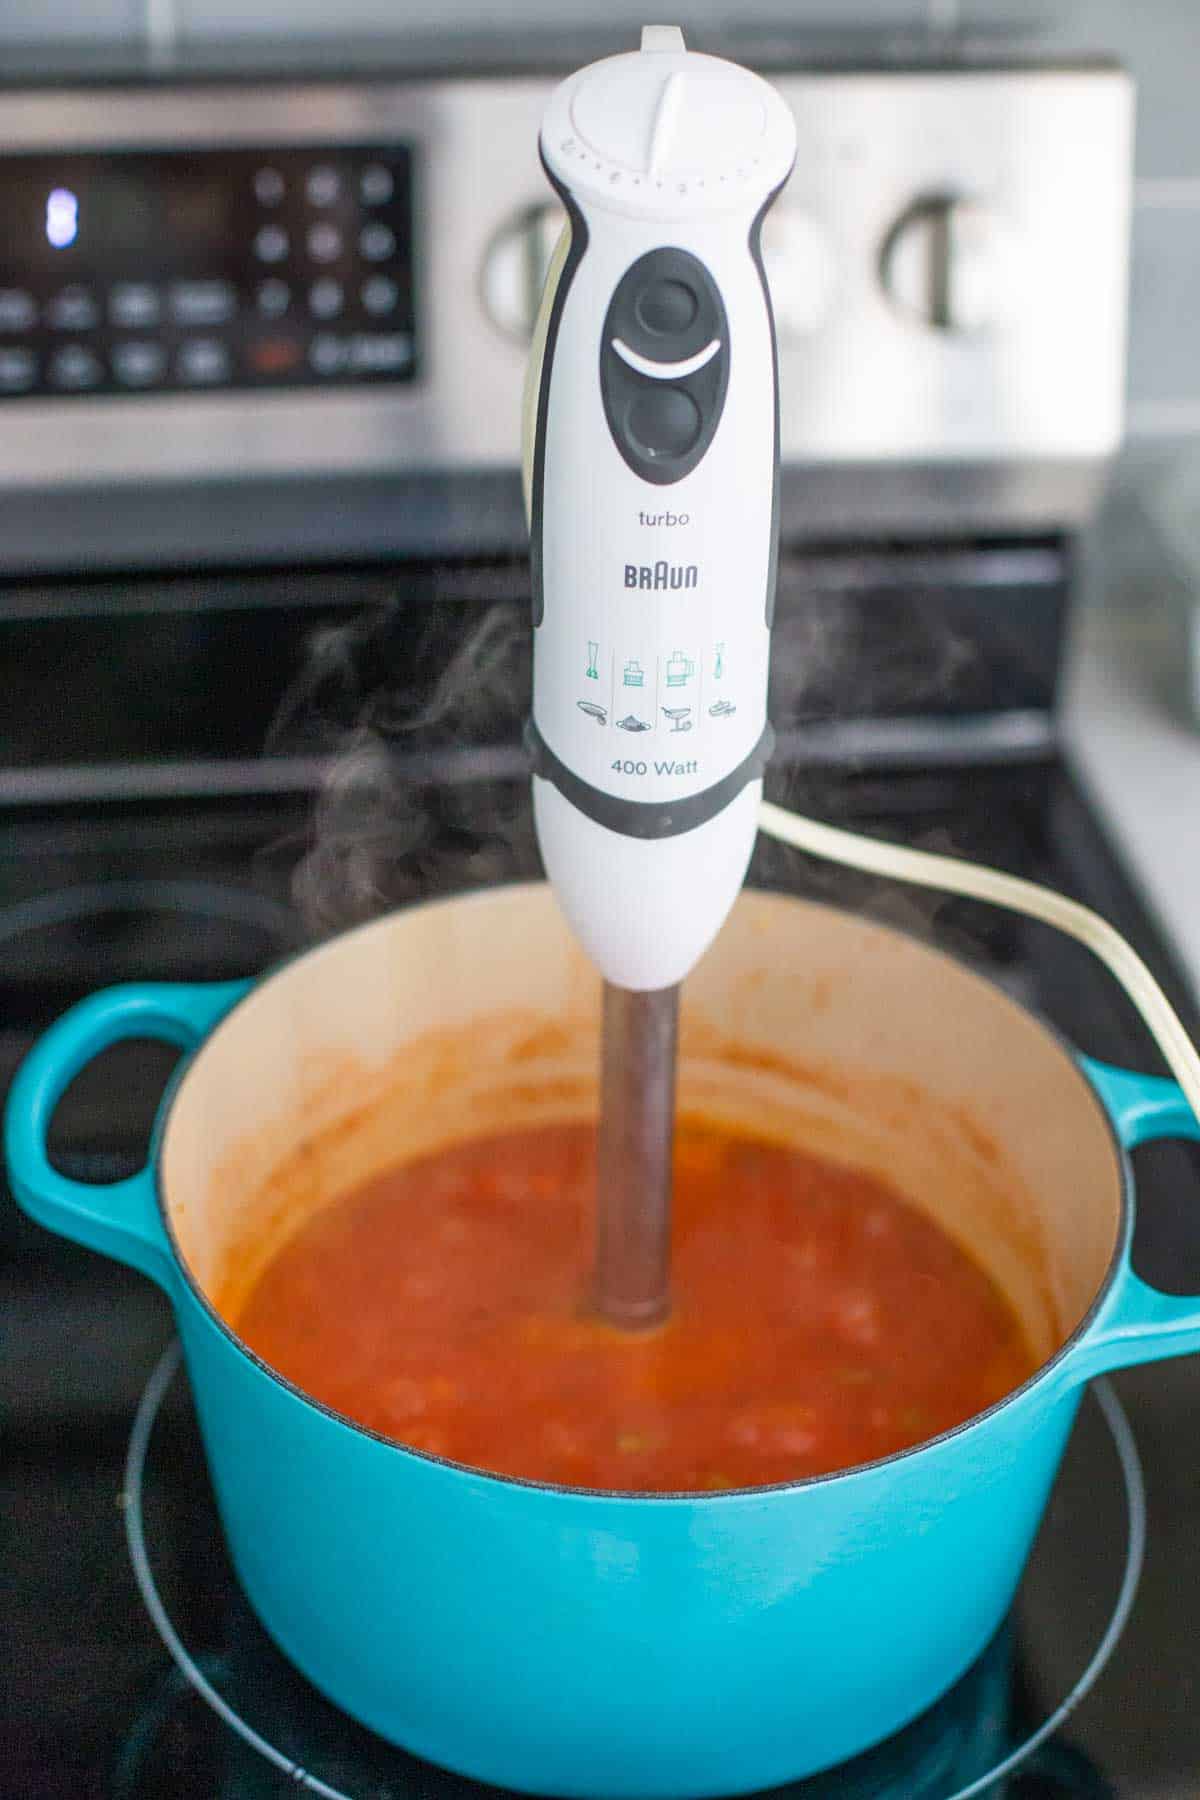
(142, 271)
(330, 279)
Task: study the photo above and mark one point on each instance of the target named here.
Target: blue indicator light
(62, 217)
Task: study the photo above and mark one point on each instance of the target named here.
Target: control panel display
(154, 271)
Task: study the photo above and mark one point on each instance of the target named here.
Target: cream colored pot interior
(802, 1023)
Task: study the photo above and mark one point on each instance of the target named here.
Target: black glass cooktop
(92, 1705)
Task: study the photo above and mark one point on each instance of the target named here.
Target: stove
(93, 1703)
(264, 622)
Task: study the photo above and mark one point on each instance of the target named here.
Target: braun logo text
(661, 575)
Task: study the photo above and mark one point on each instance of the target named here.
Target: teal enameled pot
(603, 1644)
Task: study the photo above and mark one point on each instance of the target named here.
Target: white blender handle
(651, 437)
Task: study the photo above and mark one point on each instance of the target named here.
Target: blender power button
(664, 421)
(666, 308)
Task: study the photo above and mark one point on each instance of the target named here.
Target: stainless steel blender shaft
(631, 1282)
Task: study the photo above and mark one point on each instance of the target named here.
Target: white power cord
(953, 876)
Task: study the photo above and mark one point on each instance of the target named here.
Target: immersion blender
(651, 483)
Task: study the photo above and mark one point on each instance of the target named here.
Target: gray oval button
(139, 362)
(73, 309)
(18, 368)
(75, 366)
(666, 307)
(134, 304)
(273, 299)
(270, 243)
(17, 310)
(203, 360)
(380, 295)
(664, 422)
(376, 184)
(325, 298)
(376, 242)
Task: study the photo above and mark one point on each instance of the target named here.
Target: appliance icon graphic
(593, 653)
(719, 662)
(599, 713)
(632, 723)
(680, 717)
(634, 674)
(680, 669)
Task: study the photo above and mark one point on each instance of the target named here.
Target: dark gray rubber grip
(646, 818)
(537, 494)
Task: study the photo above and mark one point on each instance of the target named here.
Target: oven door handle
(120, 1218)
(1136, 1322)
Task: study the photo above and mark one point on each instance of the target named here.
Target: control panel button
(380, 295)
(376, 184)
(273, 298)
(134, 305)
(18, 369)
(328, 355)
(323, 186)
(377, 242)
(73, 309)
(270, 243)
(203, 361)
(274, 356)
(324, 242)
(666, 307)
(664, 421)
(379, 353)
(202, 302)
(325, 298)
(139, 362)
(268, 186)
(75, 368)
(17, 310)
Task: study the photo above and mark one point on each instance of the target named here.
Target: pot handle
(1137, 1322)
(120, 1218)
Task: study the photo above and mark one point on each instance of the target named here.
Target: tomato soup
(818, 1320)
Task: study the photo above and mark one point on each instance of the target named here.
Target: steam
(839, 653)
(848, 649)
(951, 924)
(419, 708)
(426, 784)
(460, 678)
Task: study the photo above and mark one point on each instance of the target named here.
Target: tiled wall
(1158, 39)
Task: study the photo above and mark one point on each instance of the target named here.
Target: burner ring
(164, 1372)
(206, 899)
